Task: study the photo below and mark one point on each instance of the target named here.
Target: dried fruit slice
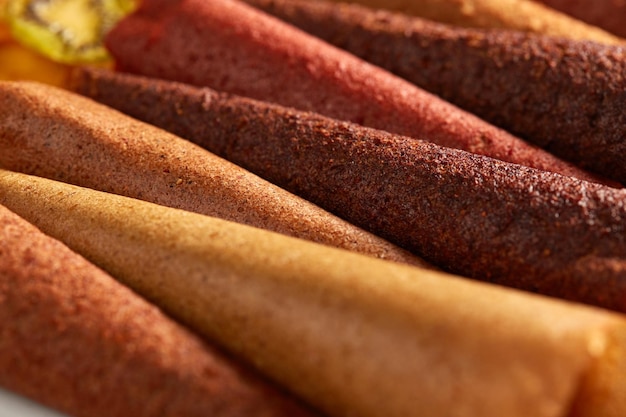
(4, 33)
(68, 31)
(20, 63)
(4, 29)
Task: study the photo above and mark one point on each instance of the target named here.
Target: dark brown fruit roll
(73, 338)
(473, 215)
(230, 46)
(565, 96)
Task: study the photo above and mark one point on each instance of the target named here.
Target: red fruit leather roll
(472, 215)
(73, 338)
(565, 96)
(607, 14)
(232, 47)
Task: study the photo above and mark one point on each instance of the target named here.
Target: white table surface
(12, 405)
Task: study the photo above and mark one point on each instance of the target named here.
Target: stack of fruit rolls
(351, 334)
(232, 47)
(565, 96)
(469, 214)
(252, 294)
(49, 132)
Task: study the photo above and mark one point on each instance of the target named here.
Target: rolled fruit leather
(232, 47)
(522, 15)
(472, 215)
(53, 133)
(607, 14)
(73, 338)
(565, 96)
(351, 334)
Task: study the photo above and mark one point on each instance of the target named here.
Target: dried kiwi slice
(69, 31)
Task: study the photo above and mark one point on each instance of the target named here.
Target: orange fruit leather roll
(75, 339)
(352, 335)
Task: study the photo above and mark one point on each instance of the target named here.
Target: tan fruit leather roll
(351, 334)
(52, 133)
(73, 338)
(523, 15)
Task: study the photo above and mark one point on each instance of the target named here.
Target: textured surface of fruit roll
(469, 214)
(75, 339)
(607, 14)
(354, 335)
(565, 96)
(232, 47)
(524, 15)
(53, 133)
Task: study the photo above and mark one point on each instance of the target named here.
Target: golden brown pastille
(351, 334)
